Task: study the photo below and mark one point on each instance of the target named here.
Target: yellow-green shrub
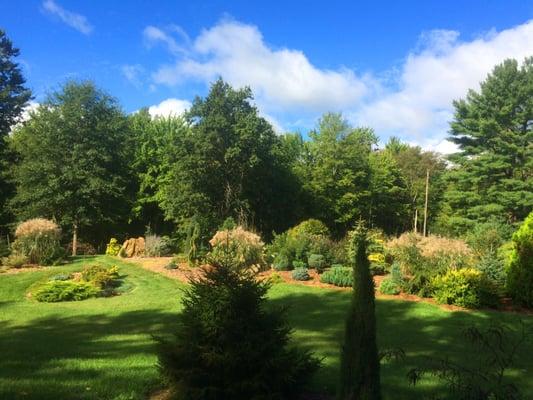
(465, 287)
(520, 268)
(113, 247)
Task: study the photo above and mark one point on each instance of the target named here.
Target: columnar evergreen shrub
(466, 287)
(39, 240)
(229, 345)
(360, 372)
(520, 269)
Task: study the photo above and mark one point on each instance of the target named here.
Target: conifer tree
(360, 379)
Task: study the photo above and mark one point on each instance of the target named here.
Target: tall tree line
(81, 160)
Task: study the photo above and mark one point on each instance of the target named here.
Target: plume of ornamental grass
(37, 226)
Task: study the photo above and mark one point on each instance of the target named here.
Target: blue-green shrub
(300, 274)
(338, 276)
(281, 263)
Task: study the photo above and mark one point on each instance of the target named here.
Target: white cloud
(280, 78)
(169, 107)
(153, 35)
(440, 70)
(414, 101)
(132, 73)
(74, 20)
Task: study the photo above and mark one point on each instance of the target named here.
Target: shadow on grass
(420, 329)
(82, 357)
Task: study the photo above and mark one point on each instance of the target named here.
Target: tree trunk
(416, 221)
(74, 239)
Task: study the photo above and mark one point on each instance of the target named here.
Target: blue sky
(394, 66)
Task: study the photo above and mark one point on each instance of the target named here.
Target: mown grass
(103, 348)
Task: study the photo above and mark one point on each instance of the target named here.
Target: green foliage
(520, 269)
(338, 276)
(39, 241)
(281, 263)
(493, 267)
(299, 264)
(14, 97)
(492, 175)
(466, 287)
(360, 370)
(228, 224)
(252, 359)
(101, 277)
(61, 277)
(309, 227)
(72, 157)
(487, 237)
(171, 265)
(113, 247)
(389, 286)
(56, 291)
(317, 261)
(300, 274)
(4, 248)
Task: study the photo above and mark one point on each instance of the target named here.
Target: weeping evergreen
(359, 378)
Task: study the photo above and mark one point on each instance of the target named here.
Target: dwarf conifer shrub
(300, 274)
(229, 345)
(113, 247)
(247, 247)
(55, 291)
(317, 261)
(338, 276)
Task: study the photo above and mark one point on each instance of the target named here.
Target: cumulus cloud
(414, 102)
(169, 107)
(280, 78)
(72, 19)
(442, 69)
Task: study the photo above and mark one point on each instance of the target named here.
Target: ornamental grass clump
(39, 241)
(246, 247)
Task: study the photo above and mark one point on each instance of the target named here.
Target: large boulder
(133, 247)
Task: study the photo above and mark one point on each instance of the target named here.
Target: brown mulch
(29, 268)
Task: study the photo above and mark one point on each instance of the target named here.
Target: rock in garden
(133, 247)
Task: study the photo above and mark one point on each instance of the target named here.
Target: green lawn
(102, 348)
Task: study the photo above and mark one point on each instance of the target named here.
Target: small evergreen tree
(359, 358)
(229, 345)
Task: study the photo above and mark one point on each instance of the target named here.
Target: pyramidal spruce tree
(360, 376)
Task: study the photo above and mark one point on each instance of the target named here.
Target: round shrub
(61, 277)
(101, 277)
(281, 263)
(299, 264)
(317, 261)
(310, 227)
(388, 286)
(520, 269)
(246, 248)
(171, 265)
(56, 291)
(300, 274)
(338, 276)
(39, 240)
(466, 287)
(113, 247)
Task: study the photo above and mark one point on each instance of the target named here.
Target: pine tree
(229, 345)
(360, 376)
(493, 174)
